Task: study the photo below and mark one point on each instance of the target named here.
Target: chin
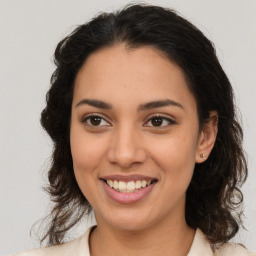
(128, 219)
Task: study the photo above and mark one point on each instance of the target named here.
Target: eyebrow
(159, 104)
(94, 103)
(143, 107)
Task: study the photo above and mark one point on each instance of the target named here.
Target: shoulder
(78, 246)
(232, 249)
(202, 246)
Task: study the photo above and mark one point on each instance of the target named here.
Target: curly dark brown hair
(213, 199)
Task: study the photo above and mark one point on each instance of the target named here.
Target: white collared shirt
(80, 247)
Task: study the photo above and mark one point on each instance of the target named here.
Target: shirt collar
(200, 246)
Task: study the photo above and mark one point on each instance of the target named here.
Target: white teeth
(115, 185)
(110, 183)
(122, 186)
(128, 187)
(138, 184)
(143, 183)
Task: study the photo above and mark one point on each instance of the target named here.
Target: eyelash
(163, 119)
(87, 118)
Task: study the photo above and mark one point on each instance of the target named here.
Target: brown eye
(95, 120)
(159, 121)
(156, 121)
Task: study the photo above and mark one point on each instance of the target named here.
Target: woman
(145, 133)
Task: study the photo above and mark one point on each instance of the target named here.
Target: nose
(126, 148)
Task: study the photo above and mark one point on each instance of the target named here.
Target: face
(134, 137)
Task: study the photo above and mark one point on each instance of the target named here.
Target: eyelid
(168, 119)
(87, 116)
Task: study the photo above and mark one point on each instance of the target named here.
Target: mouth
(128, 189)
(131, 186)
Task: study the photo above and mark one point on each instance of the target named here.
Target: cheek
(86, 156)
(176, 157)
(175, 149)
(87, 150)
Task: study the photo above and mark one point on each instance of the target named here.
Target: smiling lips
(128, 189)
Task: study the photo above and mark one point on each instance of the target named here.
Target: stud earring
(202, 155)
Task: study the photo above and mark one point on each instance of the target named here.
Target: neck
(173, 239)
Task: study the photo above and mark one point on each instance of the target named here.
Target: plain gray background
(29, 32)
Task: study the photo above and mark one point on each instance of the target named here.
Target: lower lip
(128, 198)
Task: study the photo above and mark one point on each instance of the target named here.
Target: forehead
(120, 73)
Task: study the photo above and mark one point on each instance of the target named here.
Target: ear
(207, 137)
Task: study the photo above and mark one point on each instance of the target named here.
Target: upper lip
(127, 178)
